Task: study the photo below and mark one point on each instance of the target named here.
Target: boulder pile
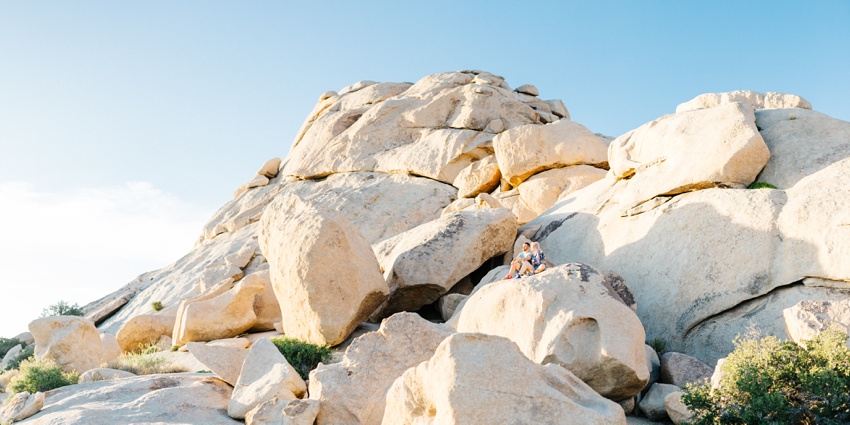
(386, 231)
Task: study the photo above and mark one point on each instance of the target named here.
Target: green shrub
(303, 356)
(157, 305)
(144, 363)
(659, 345)
(25, 354)
(62, 308)
(41, 375)
(7, 344)
(761, 185)
(768, 381)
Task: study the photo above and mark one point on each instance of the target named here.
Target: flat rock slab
(174, 398)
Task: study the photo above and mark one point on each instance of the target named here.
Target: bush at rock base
(157, 305)
(144, 363)
(659, 345)
(7, 344)
(41, 375)
(62, 308)
(25, 354)
(303, 356)
(768, 381)
(761, 185)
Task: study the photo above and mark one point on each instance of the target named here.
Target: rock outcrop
(565, 316)
(72, 342)
(422, 264)
(465, 382)
(324, 272)
(265, 375)
(354, 390)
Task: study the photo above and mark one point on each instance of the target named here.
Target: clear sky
(124, 125)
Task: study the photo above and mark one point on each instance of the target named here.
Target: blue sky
(159, 110)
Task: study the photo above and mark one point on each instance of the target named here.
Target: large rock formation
(324, 272)
(71, 342)
(566, 316)
(425, 262)
(354, 390)
(476, 378)
(704, 263)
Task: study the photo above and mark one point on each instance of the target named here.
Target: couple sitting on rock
(530, 261)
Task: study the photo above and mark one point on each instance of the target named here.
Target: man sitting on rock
(521, 263)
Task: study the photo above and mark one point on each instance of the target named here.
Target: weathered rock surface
(265, 375)
(223, 316)
(104, 374)
(266, 307)
(786, 246)
(652, 404)
(680, 369)
(447, 304)
(676, 410)
(689, 151)
(437, 127)
(270, 168)
(464, 382)
(808, 318)
(757, 100)
(565, 316)
(478, 177)
(282, 412)
(184, 398)
(653, 363)
(422, 264)
(144, 329)
(225, 362)
(801, 143)
(71, 341)
(111, 349)
(523, 151)
(11, 354)
(21, 406)
(354, 390)
(542, 190)
(331, 282)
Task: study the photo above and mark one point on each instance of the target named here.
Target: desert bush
(157, 305)
(5, 378)
(659, 345)
(768, 381)
(303, 356)
(40, 375)
(62, 308)
(25, 354)
(7, 344)
(144, 363)
(761, 185)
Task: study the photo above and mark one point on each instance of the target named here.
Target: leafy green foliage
(761, 185)
(41, 375)
(25, 354)
(7, 344)
(659, 345)
(768, 381)
(157, 305)
(303, 356)
(62, 308)
(144, 362)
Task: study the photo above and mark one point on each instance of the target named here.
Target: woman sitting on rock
(538, 259)
(521, 263)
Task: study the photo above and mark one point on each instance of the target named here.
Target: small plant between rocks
(768, 381)
(659, 345)
(40, 375)
(144, 363)
(303, 356)
(157, 305)
(761, 185)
